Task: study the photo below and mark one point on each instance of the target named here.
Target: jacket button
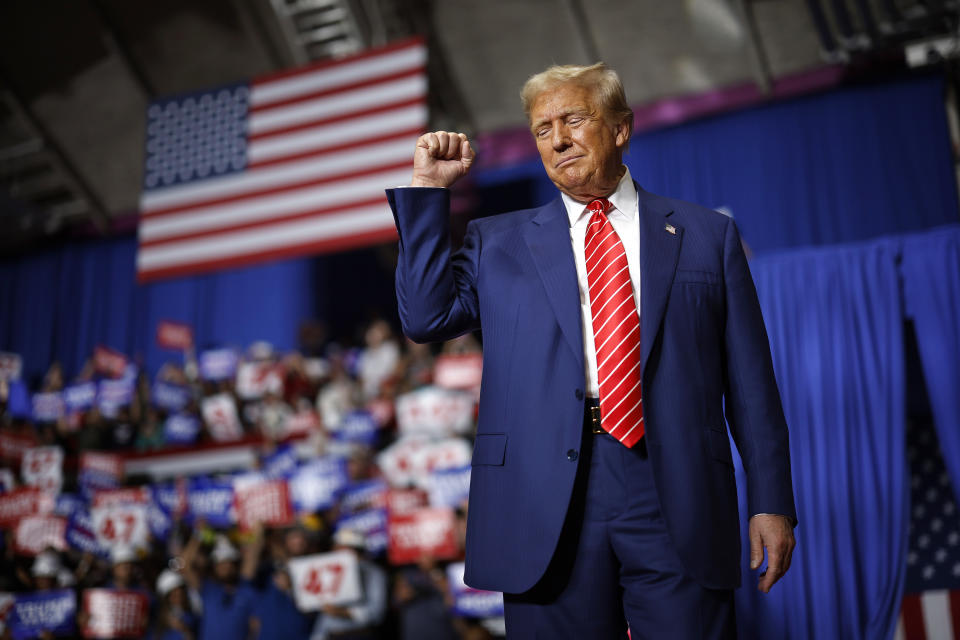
(571, 454)
(579, 394)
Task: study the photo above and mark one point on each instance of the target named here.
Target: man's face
(580, 149)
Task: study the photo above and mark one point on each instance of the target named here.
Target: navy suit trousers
(615, 565)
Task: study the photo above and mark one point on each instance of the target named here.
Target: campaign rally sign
(360, 496)
(458, 371)
(126, 495)
(115, 613)
(68, 504)
(34, 613)
(23, 502)
(43, 467)
(280, 463)
(121, 524)
(210, 501)
(357, 426)
(80, 397)
(36, 533)
(109, 362)
(266, 503)
(470, 602)
(12, 445)
(181, 428)
(81, 535)
(11, 366)
(449, 487)
(220, 416)
(425, 532)
(170, 397)
(325, 579)
(435, 411)
(218, 364)
(174, 335)
(372, 523)
(113, 394)
(314, 486)
(171, 497)
(411, 459)
(47, 407)
(405, 501)
(256, 379)
(99, 470)
(159, 522)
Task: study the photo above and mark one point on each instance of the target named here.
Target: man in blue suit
(589, 516)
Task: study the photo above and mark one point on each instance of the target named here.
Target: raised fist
(441, 158)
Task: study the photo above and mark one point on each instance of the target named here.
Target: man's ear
(621, 132)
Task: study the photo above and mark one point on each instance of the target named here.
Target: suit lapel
(659, 252)
(548, 238)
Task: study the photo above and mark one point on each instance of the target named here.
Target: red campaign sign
(129, 495)
(115, 613)
(36, 533)
(425, 532)
(405, 501)
(26, 501)
(255, 379)
(325, 578)
(108, 464)
(458, 371)
(109, 362)
(121, 524)
(43, 467)
(263, 502)
(174, 335)
(13, 446)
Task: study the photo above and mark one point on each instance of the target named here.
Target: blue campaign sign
(69, 504)
(81, 534)
(361, 496)
(113, 394)
(47, 407)
(282, 463)
(170, 397)
(167, 496)
(18, 400)
(211, 501)
(80, 397)
(159, 522)
(357, 426)
(372, 523)
(218, 364)
(469, 602)
(449, 487)
(314, 486)
(181, 428)
(33, 613)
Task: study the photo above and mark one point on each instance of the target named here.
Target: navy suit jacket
(703, 341)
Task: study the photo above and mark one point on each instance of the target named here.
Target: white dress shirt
(625, 218)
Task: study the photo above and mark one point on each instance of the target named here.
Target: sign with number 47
(325, 578)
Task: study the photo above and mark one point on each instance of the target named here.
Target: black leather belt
(591, 415)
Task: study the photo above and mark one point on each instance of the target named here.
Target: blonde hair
(599, 78)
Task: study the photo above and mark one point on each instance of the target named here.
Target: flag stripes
(318, 147)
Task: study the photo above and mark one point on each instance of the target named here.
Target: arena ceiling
(76, 76)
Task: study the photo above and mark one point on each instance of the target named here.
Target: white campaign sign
(118, 524)
(435, 411)
(411, 460)
(325, 578)
(220, 415)
(43, 467)
(254, 379)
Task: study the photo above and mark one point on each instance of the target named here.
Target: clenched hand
(441, 158)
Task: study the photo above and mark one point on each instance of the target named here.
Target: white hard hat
(349, 538)
(224, 551)
(46, 565)
(167, 581)
(123, 553)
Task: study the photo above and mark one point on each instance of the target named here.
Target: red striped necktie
(616, 328)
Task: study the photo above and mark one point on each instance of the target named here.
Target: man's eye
(575, 120)
(542, 133)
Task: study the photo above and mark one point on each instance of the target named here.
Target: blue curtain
(835, 325)
(60, 303)
(931, 288)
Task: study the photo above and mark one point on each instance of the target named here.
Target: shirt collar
(623, 201)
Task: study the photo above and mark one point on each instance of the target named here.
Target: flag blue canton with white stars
(198, 136)
(933, 559)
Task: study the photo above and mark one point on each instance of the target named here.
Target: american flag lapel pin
(671, 229)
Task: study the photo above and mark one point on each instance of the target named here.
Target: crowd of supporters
(357, 439)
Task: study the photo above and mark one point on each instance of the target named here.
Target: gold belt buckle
(595, 420)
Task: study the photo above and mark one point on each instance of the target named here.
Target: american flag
(290, 164)
(931, 606)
